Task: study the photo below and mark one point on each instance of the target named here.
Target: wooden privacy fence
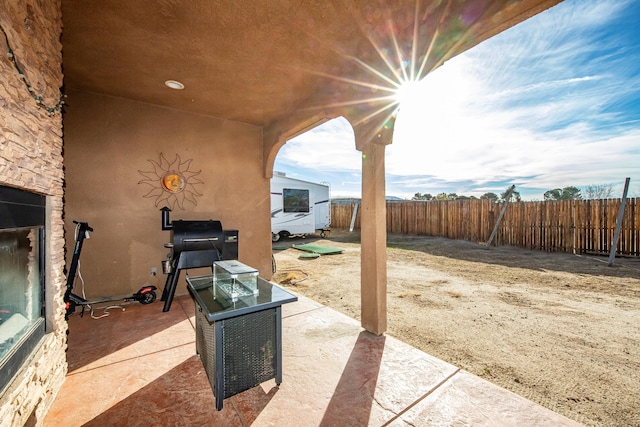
(575, 226)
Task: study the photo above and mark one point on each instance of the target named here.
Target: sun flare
(406, 49)
(408, 93)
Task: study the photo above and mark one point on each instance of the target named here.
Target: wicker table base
(239, 341)
(241, 352)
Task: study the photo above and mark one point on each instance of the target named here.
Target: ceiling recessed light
(174, 84)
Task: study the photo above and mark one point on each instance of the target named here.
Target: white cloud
(484, 117)
(330, 146)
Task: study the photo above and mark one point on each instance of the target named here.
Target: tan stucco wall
(109, 140)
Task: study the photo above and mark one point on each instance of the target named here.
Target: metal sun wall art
(172, 183)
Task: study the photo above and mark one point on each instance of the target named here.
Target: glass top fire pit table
(238, 328)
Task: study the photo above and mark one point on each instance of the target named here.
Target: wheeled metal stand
(184, 261)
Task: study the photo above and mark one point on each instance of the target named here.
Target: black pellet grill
(194, 244)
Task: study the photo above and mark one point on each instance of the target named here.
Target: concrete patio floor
(139, 367)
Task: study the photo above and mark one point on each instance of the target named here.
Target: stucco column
(372, 135)
(373, 262)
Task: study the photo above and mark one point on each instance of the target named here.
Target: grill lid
(196, 235)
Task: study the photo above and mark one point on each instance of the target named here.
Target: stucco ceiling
(258, 61)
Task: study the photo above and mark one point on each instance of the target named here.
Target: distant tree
(420, 196)
(566, 193)
(598, 191)
(442, 196)
(515, 196)
(490, 196)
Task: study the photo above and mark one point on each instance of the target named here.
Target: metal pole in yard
(616, 235)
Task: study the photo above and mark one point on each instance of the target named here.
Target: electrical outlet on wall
(154, 271)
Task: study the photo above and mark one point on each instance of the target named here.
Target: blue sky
(550, 103)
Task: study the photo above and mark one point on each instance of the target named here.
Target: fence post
(353, 217)
(504, 208)
(616, 235)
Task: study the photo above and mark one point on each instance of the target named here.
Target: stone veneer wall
(31, 159)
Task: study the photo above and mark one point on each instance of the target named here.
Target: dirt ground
(559, 329)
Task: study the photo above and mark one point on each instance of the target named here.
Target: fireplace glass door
(22, 323)
(20, 294)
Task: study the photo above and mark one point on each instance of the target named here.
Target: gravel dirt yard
(561, 330)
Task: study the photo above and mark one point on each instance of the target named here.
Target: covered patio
(138, 367)
(249, 76)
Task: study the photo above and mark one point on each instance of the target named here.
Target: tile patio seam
(421, 398)
(310, 310)
(80, 371)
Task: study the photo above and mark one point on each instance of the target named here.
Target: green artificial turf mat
(322, 250)
(309, 255)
